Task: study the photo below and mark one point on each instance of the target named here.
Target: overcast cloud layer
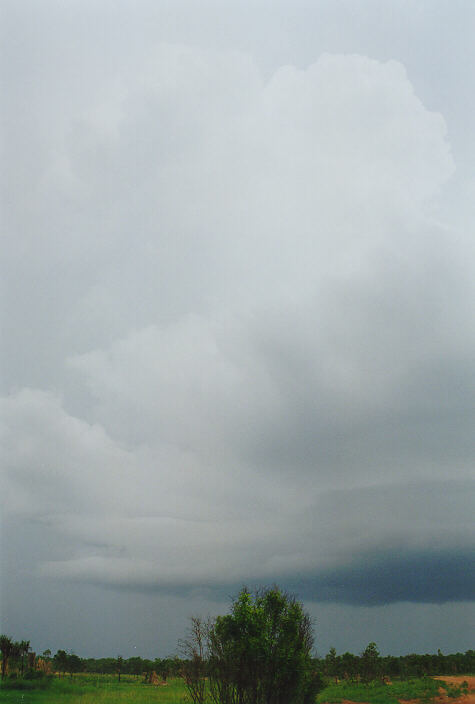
(238, 324)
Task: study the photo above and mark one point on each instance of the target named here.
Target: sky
(238, 324)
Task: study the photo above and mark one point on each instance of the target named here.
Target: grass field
(105, 689)
(97, 689)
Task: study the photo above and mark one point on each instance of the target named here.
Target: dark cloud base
(430, 578)
(434, 578)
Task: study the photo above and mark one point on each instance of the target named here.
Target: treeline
(370, 665)
(140, 667)
(18, 660)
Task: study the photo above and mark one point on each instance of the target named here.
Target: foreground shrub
(260, 653)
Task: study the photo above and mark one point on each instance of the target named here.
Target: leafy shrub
(27, 683)
(261, 651)
(35, 675)
(455, 691)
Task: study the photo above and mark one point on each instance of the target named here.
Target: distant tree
(61, 661)
(160, 666)
(175, 666)
(370, 663)
(47, 654)
(135, 666)
(147, 668)
(349, 665)
(393, 666)
(8, 649)
(331, 664)
(31, 657)
(120, 664)
(108, 666)
(24, 647)
(73, 664)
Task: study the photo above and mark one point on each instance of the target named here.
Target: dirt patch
(456, 681)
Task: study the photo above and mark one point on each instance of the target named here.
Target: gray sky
(238, 318)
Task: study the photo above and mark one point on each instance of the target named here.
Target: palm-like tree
(24, 647)
(7, 648)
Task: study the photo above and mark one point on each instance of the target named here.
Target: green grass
(97, 689)
(105, 689)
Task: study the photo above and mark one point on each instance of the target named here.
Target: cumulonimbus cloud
(276, 317)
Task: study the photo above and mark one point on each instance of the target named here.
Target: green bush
(36, 675)
(27, 683)
(261, 651)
